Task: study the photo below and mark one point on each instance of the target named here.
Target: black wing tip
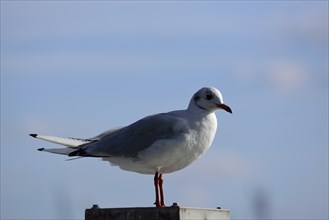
(41, 149)
(33, 135)
(79, 153)
(75, 153)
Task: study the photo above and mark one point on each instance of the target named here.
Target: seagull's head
(209, 99)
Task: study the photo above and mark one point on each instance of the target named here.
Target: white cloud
(280, 75)
(287, 75)
(309, 24)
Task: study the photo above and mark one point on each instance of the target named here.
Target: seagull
(156, 144)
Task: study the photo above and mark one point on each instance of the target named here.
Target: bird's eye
(208, 96)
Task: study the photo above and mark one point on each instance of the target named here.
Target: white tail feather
(69, 142)
(64, 151)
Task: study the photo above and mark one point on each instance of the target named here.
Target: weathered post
(173, 212)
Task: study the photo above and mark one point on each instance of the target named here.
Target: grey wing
(104, 134)
(130, 140)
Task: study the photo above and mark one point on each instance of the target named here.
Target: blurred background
(78, 68)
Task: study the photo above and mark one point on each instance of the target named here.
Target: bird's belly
(166, 156)
(180, 156)
(162, 158)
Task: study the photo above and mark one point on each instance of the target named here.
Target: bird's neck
(193, 109)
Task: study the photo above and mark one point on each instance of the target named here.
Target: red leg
(161, 191)
(156, 185)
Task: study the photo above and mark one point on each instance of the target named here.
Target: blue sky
(79, 68)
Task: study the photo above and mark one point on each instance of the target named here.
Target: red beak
(225, 107)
